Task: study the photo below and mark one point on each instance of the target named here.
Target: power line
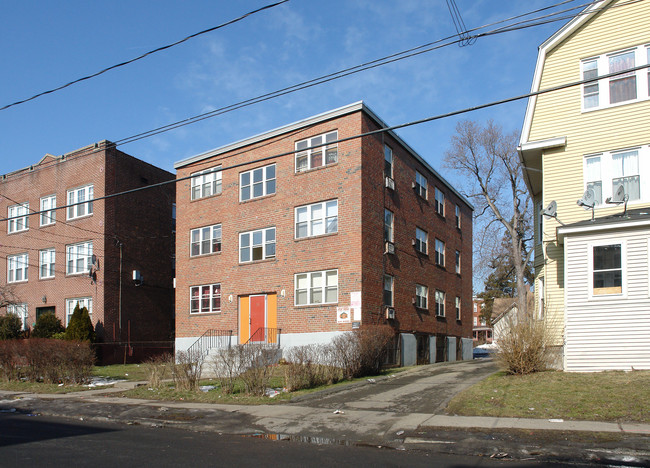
(140, 57)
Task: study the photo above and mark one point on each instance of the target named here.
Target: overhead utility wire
(140, 57)
(459, 24)
(362, 135)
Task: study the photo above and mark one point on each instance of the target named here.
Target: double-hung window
(440, 252)
(317, 151)
(78, 258)
(389, 284)
(440, 202)
(458, 262)
(257, 245)
(458, 216)
(421, 296)
(590, 90)
(317, 219)
(421, 185)
(440, 303)
(48, 210)
(421, 240)
(625, 172)
(257, 183)
(622, 87)
(605, 173)
(21, 311)
(316, 287)
(18, 218)
(206, 183)
(46, 263)
(457, 308)
(388, 161)
(205, 299)
(17, 267)
(607, 269)
(205, 240)
(388, 226)
(71, 304)
(80, 202)
(593, 177)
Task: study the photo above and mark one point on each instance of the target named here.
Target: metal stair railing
(212, 338)
(267, 336)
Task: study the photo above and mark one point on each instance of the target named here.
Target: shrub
(10, 327)
(309, 366)
(228, 364)
(186, 370)
(156, 368)
(80, 328)
(257, 360)
(523, 347)
(47, 325)
(8, 360)
(361, 352)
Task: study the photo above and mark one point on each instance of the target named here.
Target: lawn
(121, 371)
(39, 387)
(599, 396)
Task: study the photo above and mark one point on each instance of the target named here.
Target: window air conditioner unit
(390, 313)
(390, 183)
(413, 242)
(389, 248)
(412, 185)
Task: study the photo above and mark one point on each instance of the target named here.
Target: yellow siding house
(591, 143)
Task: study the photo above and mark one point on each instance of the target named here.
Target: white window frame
(590, 267)
(48, 210)
(457, 304)
(421, 296)
(421, 185)
(18, 263)
(389, 225)
(81, 207)
(421, 241)
(324, 145)
(440, 252)
(329, 283)
(457, 259)
(267, 241)
(72, 302)
(457, 212)
(440, 298)
(439, 202)
(206, 183)
(206, 235)
(389, 281)
(388, 161)
(78, 258)
(21, 311)
(607, 170)
(18, 218)
(46, 263)
(314, 218)
(267, 183)
(213, 298)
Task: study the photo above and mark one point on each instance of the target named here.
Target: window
(76, 198)
(622, 87)
(79, 258)
(475, 321)
(257, 183)
(388, 226)
(421, 240)
(475, 308)
(317, 219)
(440, 202)
(458, 262)
(388, 290)
(592, 178)
(205, 299)
(440, 303)
(206, 183)
(257, 245)
(457, 308)
(540, 226)
(605, 172)
(46, 263)
(440, 252)
(590, 90)
(607, 270)
(625, 172)
(71, 304)
(317, 287)
(458, 216)
(48, 212)
(205, 240)
(309, 152)
(421, 295)
(18, 218)
(388, 161)
(21, 311)
(540, 312)
(421, 185)
(17, 266)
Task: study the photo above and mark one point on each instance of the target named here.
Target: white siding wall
(607, 333)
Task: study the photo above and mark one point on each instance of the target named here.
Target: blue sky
(46, 44)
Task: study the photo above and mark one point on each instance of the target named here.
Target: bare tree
(488, 160)
(7, 296)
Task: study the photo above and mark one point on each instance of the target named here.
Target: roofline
(350, 108)
(563, 231)
(534, 147)
(561, 34)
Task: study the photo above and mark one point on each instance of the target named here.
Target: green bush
(80, 328)
(10, 327)
(47, 325)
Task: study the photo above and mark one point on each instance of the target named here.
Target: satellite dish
(551, 210)
(588, 199)
(619, 196)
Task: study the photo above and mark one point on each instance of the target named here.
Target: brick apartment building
(313, 231)
(63, 245)
(482, 331)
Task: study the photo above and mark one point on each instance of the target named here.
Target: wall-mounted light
(283, 293)
(230, 298)
(44, 299)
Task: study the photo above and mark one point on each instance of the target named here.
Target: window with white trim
(457, 308)
(593, 179)
(257, 245)
(205, 299)
(421, 240)
(46, 263)
(440, 252)
(205, 240)
(388, 161)
(48, 210)
(317, 151)
(607, 269)
(389, 283)
(18, 218)
(440, 303)
(605, 172)
(316, 287)
(458, 262)
(21, 311)
(440, 201)
(78, 258)
(257, 183)
(71, 304)
(421, 296)
(80, 202)
(421, 185)
(317, 219)
(206, 183)
(476, 321)
(457, 216)
(17, 267)
(388, 226)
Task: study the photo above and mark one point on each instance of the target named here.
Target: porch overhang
(632, 219)
(530, 156)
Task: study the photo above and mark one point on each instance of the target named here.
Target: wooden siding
(610, 333)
